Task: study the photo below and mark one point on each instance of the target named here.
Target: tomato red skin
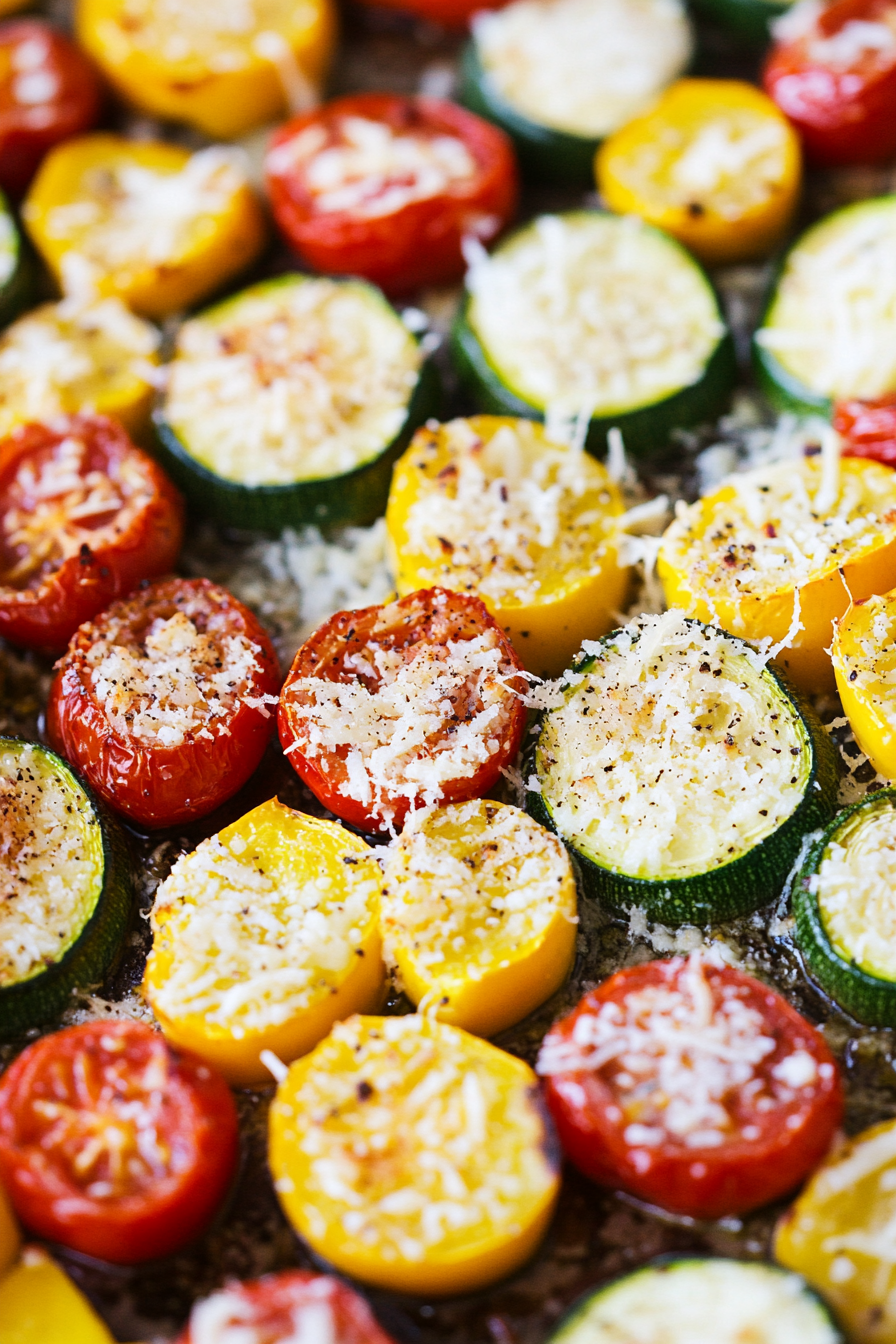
(324, 655)
(272, 1299)
(45, 617)
(28, 132)
(150, 784)
(419, 244)
(844, 116)
(144, 1224)
(868, 428)
(706, 1182)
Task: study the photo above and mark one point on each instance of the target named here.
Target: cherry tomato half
(162, 701)
(395, 707)
(386, 187)
(48, 92)
(113, 1143)
(868, 429)
(286, 1307)
(692, 1086)
(84, 517)
(834, 75)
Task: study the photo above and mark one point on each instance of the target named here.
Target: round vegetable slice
(288, 403)
(777, 553)
(714, 163)
(113, 1143)
(387, 187)
(559, 75)
(225, 71)
(263, 937)
(15, 267)
(84, 517)
(680, 1301)
(162, 700)
(826, 331)
(282, 1307)
(144, 221)
(39, 1303)
(750, 20)
(868, 428)
(490, 505)
(560, 318)
(478, 914)
(391, 708)
(832, 70)
(865, 668)
(48, 93)
(65, 886)
(681, 772)
(447, 1179)
(693, 1086)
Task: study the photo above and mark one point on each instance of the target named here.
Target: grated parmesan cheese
(219, 34)
(301, 1313)
(856, 890)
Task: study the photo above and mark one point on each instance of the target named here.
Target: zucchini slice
(559, 75)
(700, 1299)
(16, 271)
(589, 313)
(680, 772)
(750, 20)
(65, 883)
(827, 332)
(844, 901)
(288, 403)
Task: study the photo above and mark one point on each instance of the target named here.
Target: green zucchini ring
(844, 902)
(588, 312)
(680, 772)
(288, 404)
(16, 268)
(827, 330)
(750, 20)
(698, 1298)
(66, 886)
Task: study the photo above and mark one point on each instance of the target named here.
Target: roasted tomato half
(162, 701)
(833, 73)
(282, 1308)
(84, 517)
(113, 1143)
(692, 1086)
(48, 92)
(387, 187)
(868, 428)
(391, 708)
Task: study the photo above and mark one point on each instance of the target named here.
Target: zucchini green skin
(41, 998)
(731, 889)
(356, 497)
(543, 151)
(18, 290)
(868, 998)
(750, 20)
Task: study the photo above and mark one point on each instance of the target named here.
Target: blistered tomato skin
(275, 1304)
(149, 782)
(868, 429)
(114, 1144)
(48, 92)
(393, 225)
(84, 517)
(770, 1134)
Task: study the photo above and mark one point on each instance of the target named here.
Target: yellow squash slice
(39, 1304)
(264, 936)
(864, 658)
(491, 506)
(413, 1156)
(478, 914)
(776, 554)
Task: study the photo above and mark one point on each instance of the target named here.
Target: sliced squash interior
(855, 886)
(864, 658)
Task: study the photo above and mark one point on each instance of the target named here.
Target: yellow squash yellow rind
(864, 657)
(39, 1304)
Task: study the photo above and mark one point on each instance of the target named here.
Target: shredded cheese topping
(593, 311)
(582, 66)
(870, 666)
(51, 861)
(673, 753)
(856, 890)
(223, 35)
(292, 381)
(230, 1317)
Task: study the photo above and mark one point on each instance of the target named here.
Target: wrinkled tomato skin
(28, 130)
(162, 1214)
(269, 1304)
(150, 784)
(44, 616)
(844, 115)
(419, 243)
(325, 654)
(705, 1182)
(868, 429)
